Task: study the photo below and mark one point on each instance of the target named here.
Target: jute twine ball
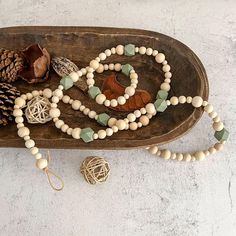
(37, 110)
(95, 169)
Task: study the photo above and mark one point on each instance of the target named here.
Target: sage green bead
(162, 94)
(87, 135)
(93, 92)
(160, 105)
(222, 135)
(129, 50)
(103, 119)
(66, 82)
(126, 69)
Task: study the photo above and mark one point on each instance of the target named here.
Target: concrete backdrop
(144, 194)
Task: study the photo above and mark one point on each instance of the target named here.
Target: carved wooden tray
(81, 44)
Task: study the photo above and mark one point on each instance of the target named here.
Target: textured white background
(144, 194)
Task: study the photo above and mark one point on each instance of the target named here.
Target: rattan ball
(37, 110)
(95, 169)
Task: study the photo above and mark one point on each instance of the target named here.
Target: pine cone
(8, 94)
(10, 63)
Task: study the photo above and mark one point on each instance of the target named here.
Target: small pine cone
(8, 94)
(10, 63)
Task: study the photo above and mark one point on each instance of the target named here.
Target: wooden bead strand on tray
(221, 134)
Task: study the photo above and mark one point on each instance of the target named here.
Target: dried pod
(63, 67)
(37, 64)
(112, 89)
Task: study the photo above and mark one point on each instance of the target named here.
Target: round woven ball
(95, 169)
(37, 110)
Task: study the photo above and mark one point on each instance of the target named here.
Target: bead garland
(221, 134)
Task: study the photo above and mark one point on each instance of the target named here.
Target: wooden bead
(142, 50)
(197, 101)
(166, 68)
(19, 125)
(115, 128)
(133, 126)
(182, 99)
(130, 91)
(108, 52)
(153, 150)
(187, 157)
(168, 75)
(34, 150)
(114, 102)
(100, 98)
(165, 87)
(42, 163)
(212, 150)
(59, 123)
(212, 114)
(111, 122)
(94, 64)
(29, 143)
(92, 114)
(20, 102)
(199, 155)
(150, 108)
(179, 156)
(166, 154)
(160, 57)
(64, 128)
(121, 124)
(174, 100)
(120, 49)
(121, 100)
(144, 120)
(189, 99)
(117, 67)
(101, 134)
(66, 99)
(38, 156)
(137, 113)
(173, 156)
(100, 69)
(218, 126)
(219, 146)
(109, 132)
(19, 119)
(23, 131)
(54, 112)
(17, 112)
(76, 104)
(74, 76)
(76, 133)
(58, 93)
(149, 51)
(69, 131)
(102, 56)
(131, 117)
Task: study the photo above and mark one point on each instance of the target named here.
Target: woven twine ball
(95, 169)
(37, 110)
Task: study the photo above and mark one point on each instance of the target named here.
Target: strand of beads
(221, 134)
(24, 132)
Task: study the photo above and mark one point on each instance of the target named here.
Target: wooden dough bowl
(81, 44)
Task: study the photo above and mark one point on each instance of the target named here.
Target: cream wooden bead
(114, 102)
(120, 49)
(69, 131)
(19, 125)
(64, 128)
(168, 75)
(149, 51)
(26, 137)
(100, 98)
(76, 133)
(111, 122)
(90, 82)
(58, 93)
(34, 150)
(92, 114)
(173, 156)
(179, 156)
(199, 155)
(29, 143)
(143, 111)
(117, 67)
(100, 69)
(42, 163)
(101, 134)
(29, 96)
(174, 100)
(54, 112)
(153, 150)
(182, 99)
(154, 53)
(121, 124)
(66, 99)
(165, 87)
(17, 112)
(59, 123)
(55, 99)
(144, 120)
(133, 76)
(189, 99)
(166, 68)
(82, 107)
(131, 117)
(76, 104)
(219, 146)
(133, 126)
(74, 76)
(212, 150)
(47, 93)
(113, 50)
(137, 113)
(197, 101)
(150, 108)
(142, 50)
(23, 131)
(90, 76)
(216, 119)
(95, 136)
(107, 103)
(130, 91)
(20, 102)
(102, 56)
(212, 114)
(35, 93)
(187, 157)
(218, 126)
(108, 52)
(115, 128)
(109, 132)
(86, 111)
(168, 102)
(38, 156)
(166, 154)
(121, 100)
(160, 57)
(167, 81)
(94, 64)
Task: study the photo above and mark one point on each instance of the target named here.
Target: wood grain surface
(81, 44)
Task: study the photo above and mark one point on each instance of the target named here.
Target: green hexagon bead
(103, 119)
(126, 69)
(93, 92)
(66, 82)
(129, 50)
(222, 135)
(160, 105)
(87, 135)
(162, 94)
